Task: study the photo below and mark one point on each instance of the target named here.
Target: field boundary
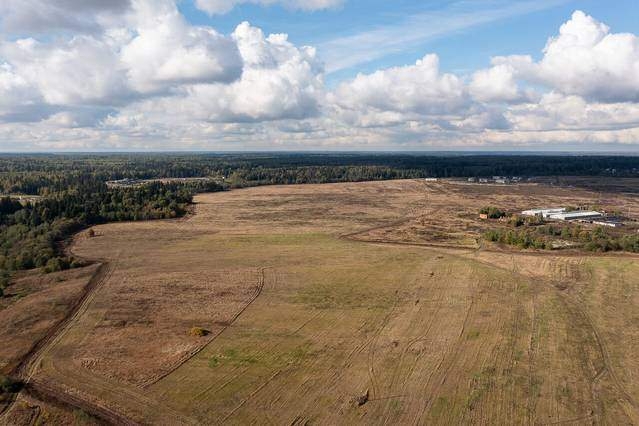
(26, 366)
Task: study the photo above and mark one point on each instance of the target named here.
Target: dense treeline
(29, 232)
(546, 237)
(45, 174)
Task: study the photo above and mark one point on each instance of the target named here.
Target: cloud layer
(136, 74)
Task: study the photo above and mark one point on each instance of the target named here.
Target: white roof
(575, 215)
(548, 210)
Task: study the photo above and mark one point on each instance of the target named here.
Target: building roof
(544, 211)
(575, 215)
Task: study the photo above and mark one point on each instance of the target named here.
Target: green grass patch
(472, 335)
(233, 357)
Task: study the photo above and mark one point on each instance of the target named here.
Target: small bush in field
(199, 332)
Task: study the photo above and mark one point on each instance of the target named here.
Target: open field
(367, 303)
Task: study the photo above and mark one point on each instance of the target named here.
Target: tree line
(30, 232)
(545, 237)
(47, 174)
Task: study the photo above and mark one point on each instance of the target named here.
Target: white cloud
(82, 70)
(168, 52)
(44, 16)
(279, 81)
(570, 112)
(224, 6)
(585, 59)
(496, 84)
(419, 89)
(152, 80)
(16, 95)
(156, 53)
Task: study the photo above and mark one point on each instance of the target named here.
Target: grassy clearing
(435, 336)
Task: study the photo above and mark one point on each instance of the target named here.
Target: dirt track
(27, 366)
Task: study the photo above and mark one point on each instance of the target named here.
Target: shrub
(8, 385)
(516, 221)
(199, 332)
(53, 265)
(492, 212)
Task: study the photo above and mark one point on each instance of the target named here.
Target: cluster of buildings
(129, 182)
(500, 180)
(562, 214)
(24, 199)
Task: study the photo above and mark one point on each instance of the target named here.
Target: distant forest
(73, 193)
(44, 174)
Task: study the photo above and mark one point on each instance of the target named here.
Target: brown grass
(352, 289)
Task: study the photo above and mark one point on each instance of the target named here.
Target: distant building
(431, 180)
(545, 213)
(576, 215)
(472, 179)
(609, 223)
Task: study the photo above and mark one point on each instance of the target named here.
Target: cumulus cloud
(167, 51)
(157, 53)
(496, 84)
(570, 112)
(43, 16)
(419, 88)
(82, 70)
(151, 79)
(278, 81)
(585, 59)
(224, 6)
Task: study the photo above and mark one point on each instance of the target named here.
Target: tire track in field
(371, 349)
(44, 391)
(28, 365)
(103, 274)
(597, 337)
(258, 291)
(422, 337)
(605, 356)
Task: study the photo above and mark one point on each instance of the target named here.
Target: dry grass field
(363, 303)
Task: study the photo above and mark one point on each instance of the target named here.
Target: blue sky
(461, 51)
(400, 75)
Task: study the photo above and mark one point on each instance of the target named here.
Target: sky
(319, 75)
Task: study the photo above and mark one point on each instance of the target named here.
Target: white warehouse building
(545, 213)
(577, 215)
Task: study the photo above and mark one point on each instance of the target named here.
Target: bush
(57, 264)
(8, 385)
(516, 221)
(199, 332)
(492, 212)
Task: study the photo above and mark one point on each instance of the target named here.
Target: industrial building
(608, 223)
(545, 213)
(576, 215)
